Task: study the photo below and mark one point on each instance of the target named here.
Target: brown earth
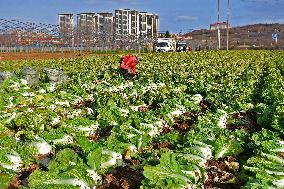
(43, 56)
(102, 134)
(184, 123)
(21, 179)
(159, 145)
(204, 105)
(221, 171)
(165, 130)
(248, 121)
(122, 178)
(14, 183)
(128, 159)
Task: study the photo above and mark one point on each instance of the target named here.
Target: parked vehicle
(165, 45)
(181, 47)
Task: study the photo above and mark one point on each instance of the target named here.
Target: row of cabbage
(52, 126)
(267, 161)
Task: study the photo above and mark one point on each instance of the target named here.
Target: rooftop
(91, 13)
(66, 14)
(218, 23)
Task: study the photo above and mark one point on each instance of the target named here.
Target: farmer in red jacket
(128, 66)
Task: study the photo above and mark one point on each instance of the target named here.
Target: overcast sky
(175, 15)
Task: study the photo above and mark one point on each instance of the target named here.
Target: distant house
(222, 25)
(183, 38)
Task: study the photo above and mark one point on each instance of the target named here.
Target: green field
(187, 120)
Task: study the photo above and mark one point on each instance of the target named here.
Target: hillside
(256, 36)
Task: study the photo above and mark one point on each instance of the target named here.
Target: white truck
(165, 45)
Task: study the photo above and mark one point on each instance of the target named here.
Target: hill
(257, 36)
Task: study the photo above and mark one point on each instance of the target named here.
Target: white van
(165, 45)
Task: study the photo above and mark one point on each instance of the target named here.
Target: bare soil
(143, 109)
(128, 159)
(14, 183)
(204, 105)
(43, 56)
(159, 145)
(104, 133)
(22, 178)
(246, 121)
(165, 130)
(37, 55)
(87, 103)
(122, 178)
(221, 171)
(281, 154)
(184, 123)
(25, 173)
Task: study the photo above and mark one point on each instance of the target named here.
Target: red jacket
(129, 63)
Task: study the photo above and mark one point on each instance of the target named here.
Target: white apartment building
(148, 24)
(143, 23)
(92, 23)
(66, 24)
(153, 25)
(105, 23)
(126, 22)
(131, 22)
(87, 23)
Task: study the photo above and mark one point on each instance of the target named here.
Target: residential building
(105, 23)
(87, 23)
(148, 24)
(126, 22)
(87, 26)
(152, 25)
(66, 24)
(143, 23)
(95, 23)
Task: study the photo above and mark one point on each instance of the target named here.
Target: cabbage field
(186, 121)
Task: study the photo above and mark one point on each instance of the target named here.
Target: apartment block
(87, 23)
(66, 24)
(143, 23)
(154, 25)
(126, 22)
(148, 24)
(96, 24)
(105, 23)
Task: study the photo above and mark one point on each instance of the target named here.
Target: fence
(18, 36)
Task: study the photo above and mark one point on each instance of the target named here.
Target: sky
(175, 15)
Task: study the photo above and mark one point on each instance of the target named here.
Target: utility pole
(218, 26)
(228, 25)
